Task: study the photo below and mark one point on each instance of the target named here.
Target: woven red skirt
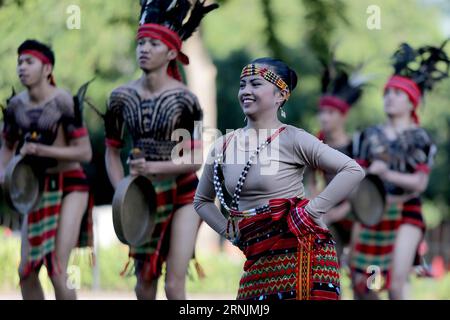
(171, 194)
(288, 255)
(43, 221)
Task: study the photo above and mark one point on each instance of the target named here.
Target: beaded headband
(269, 75)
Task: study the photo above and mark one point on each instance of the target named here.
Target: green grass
(111, 261)
(9, 262)
(222, 273)
(420, 288)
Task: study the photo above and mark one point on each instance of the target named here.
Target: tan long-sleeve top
(276, 173)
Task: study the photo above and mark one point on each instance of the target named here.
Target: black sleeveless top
(412, 151)
(150, 122)
(20, 121)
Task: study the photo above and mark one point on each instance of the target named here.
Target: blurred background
(96, 38)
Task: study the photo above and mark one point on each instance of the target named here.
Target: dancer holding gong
(289, 252)
(152, 108)
(401, 153)
(44, 126)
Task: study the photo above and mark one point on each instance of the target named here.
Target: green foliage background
(298, 31)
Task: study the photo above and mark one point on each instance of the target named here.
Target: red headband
(37, 54)
(170, 38)
(335, 102)
(45, 60)
(410, 88)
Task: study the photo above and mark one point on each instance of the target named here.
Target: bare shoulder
(133, 84)
(178, 87)
(188, 97)
(18, 99)
(125, 89)
(123, 95)
(64, 98)
(64, 94)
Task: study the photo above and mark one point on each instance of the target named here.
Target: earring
(283, 113)
(245, 119)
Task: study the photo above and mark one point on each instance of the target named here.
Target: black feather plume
(172, 14)
(151, 11)
(13, 93)
(425, 66)
(176, 14)
(78, 101)
(402, 58)
(198, 13)
(95, 109)
(338, 79)
(2, 107)
(434, 66)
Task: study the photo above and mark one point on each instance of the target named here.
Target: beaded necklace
(233, 209)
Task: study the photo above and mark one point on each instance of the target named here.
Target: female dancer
(401, 153)
(290, 253)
